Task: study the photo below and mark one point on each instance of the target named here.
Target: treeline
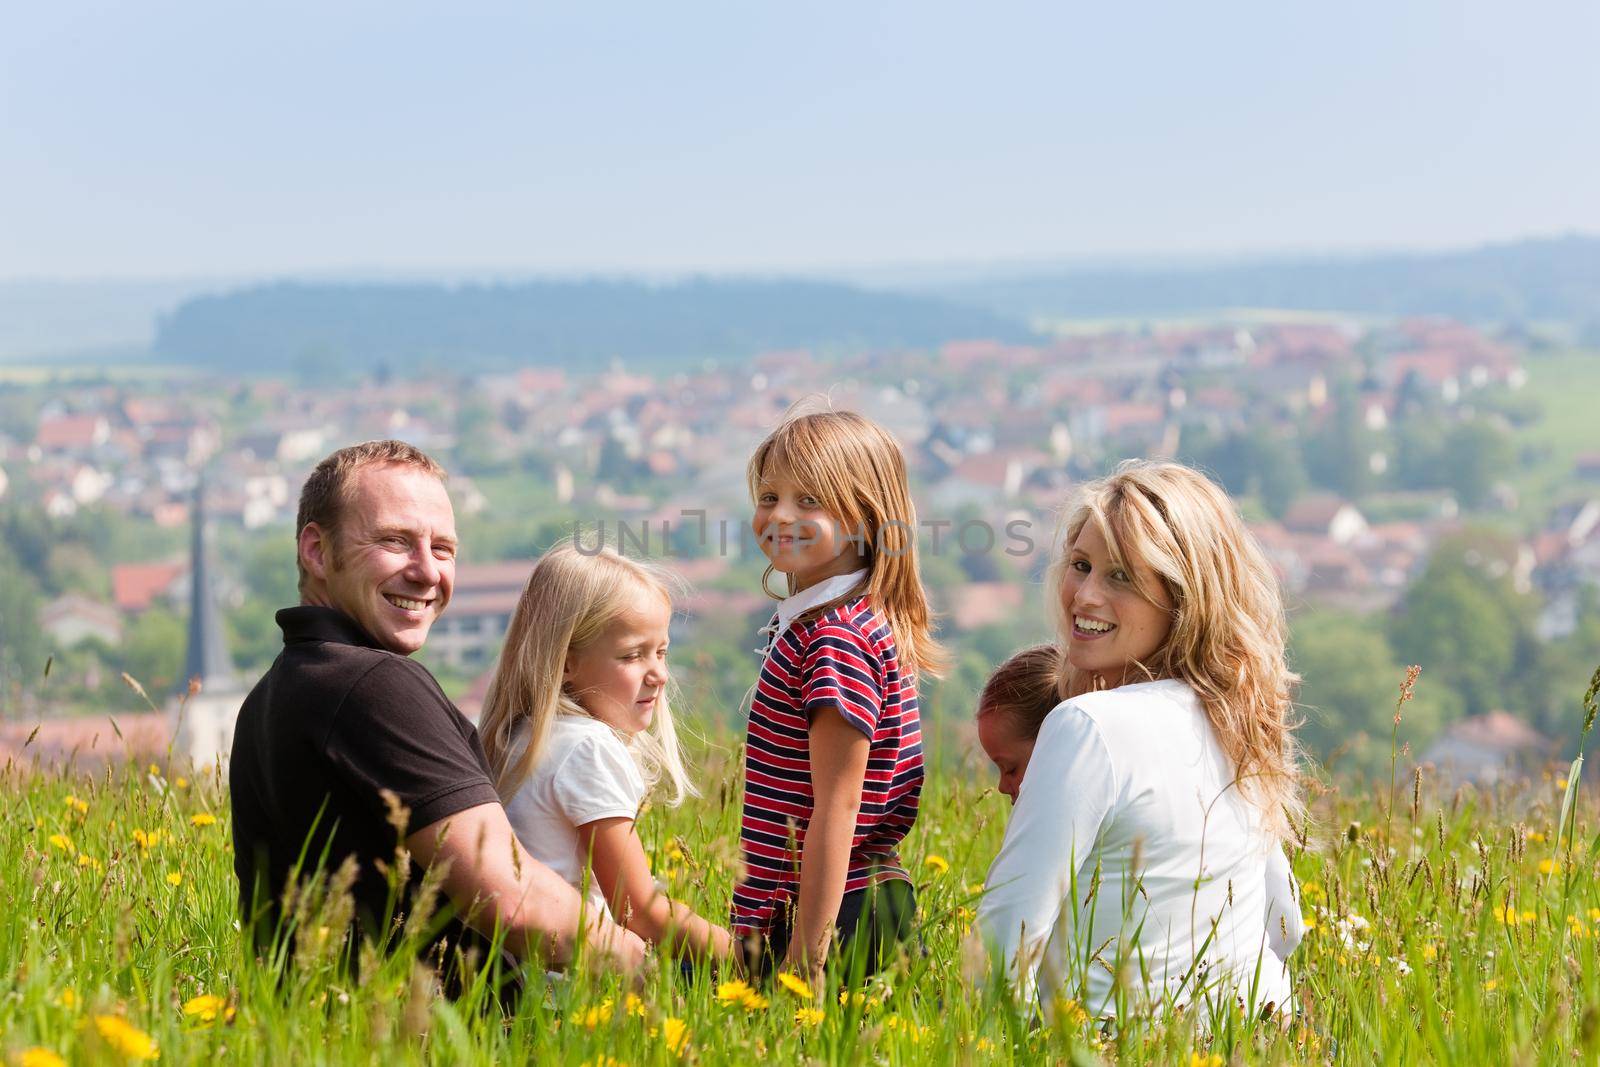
(1529, 280)
(311, 328)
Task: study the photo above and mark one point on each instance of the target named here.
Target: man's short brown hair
(327, 490)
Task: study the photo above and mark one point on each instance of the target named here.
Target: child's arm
(838, 769)
(622, 873)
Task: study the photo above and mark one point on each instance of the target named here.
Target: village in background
(1428, 490)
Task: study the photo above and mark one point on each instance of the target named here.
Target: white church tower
(202, 721)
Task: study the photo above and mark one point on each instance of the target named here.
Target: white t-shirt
(1125, 773)
(586, 774)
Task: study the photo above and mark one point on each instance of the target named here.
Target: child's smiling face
(619, 676)
(799, 536)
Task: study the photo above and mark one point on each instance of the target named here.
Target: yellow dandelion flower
(1211, 1060)
(154, 769)
(1548, 866)
(1527, 917)
(74, 804)
(936, 864)
(675, 1034)
(1430, 952)
(1561, 783)
(1071, 1012)
(1309, 920)
(205, 1008)
(147, 839)
(127, 1039)
(38, 1056)
(174, 878)
(1594, 915)
(983, 1044)
(808, 1016)
(62, 842)
(1491, 985)
(1536, 837)
(634, 1006)
(67, 998)
(603, 1060)
(598, 1015)
(202, 818)
(796, 985)
(181, 783)
(1311, 889)
(733, 992)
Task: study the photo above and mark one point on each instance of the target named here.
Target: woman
(1143, 864)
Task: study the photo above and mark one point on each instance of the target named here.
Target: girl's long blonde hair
(1228, 628)
(857, 472)
(569, 600)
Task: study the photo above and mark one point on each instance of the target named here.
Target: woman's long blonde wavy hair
(569, 600)
(1228, 627)
(857, 472)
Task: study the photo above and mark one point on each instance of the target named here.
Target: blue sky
(160, 139)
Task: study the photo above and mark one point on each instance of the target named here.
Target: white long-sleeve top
(1135, 776)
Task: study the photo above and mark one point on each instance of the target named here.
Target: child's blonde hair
(856, 471)
(569, 600)
(1228, 630)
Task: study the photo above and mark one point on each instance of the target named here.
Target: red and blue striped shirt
(843, 659)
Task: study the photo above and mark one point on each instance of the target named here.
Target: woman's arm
(1285, 925)
(622, 873)
(838, 770)
(1065, 798)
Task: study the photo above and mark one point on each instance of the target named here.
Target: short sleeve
(396, 732)
(598, 779)
(840, 670)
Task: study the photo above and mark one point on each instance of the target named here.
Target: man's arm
(494, 882)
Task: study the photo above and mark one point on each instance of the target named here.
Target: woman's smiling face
(1110, 624)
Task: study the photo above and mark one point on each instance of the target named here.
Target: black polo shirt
(335, 722)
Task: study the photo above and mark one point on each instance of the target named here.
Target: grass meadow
(1450, 925)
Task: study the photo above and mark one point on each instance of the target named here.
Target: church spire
(208, 657)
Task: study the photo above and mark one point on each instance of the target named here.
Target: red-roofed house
(1487, 748)
(135, 586)
(70, 619)
(72, 433)
(1325, 515)
(977, 604)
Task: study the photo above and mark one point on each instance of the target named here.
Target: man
(344, 726)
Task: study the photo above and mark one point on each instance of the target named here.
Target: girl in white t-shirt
(1143, 864)
(578, 731)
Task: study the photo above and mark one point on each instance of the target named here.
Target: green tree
(152, 651)
(1339, 452)
(1462, 621)
(1350, 680)
(22, 644)
(1476, 454)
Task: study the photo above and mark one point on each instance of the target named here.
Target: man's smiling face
(392, 565)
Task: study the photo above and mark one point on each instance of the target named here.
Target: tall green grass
(1458, 926)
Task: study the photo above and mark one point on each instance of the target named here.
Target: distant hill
(477, 327)
(1540, 279)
